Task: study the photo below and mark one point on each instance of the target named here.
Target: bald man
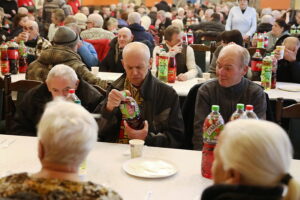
(229, 89)
(158, 102)
(33, 41)
(112, 61)
(289, 67)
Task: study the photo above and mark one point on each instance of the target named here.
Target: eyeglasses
(30, 28)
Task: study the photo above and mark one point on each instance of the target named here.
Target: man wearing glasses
(33, 41)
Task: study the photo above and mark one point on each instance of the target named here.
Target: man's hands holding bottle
(114, 99)
(136, 134)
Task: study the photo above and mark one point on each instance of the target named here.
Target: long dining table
(284, 90)
(105, 166)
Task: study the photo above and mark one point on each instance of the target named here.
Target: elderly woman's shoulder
(22, 185)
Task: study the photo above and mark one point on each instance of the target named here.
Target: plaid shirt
(96, 33)
(42, 44)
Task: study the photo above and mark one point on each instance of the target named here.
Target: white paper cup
(136, 147)
(206, 75)
(95, 70)
(280, 49)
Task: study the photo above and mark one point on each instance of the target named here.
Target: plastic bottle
(266, 72)
(249, 113)
(73, 97)
(190, 37)
(13, 56)
(172, 68)
(163, 66)
(22, 57)
(238, 113)
(212, 127)
(4, 59)
(131, 113)
(274, 71)
(256, 63)
(293, 29)
(260, 41)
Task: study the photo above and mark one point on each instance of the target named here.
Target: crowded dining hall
(149, 100)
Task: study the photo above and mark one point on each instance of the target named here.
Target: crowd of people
(59, 34)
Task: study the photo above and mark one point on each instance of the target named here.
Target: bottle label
(256, 65)
(266, 76)
(4, 66)
(172, 75)
(163, 67)
(212, 129)
(129, 109)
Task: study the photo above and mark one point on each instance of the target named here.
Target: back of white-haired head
(67, 132)
(22, 10)
(178, 23)
(131, 49)
(180, 11)
(276, 14)
(62, 71)
(267, 19)
(134, 17)
(241, 52)
(261, 151)
(96, 19)
(145, 22)
(266, 11)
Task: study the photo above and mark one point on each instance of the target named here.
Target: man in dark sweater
(227, 90)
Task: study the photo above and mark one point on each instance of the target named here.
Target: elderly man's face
(136, 67)
(59, 87)
(31, 29)
(230, 69)
(124, 38)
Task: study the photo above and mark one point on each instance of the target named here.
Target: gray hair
(243, 53)
(63, 71)
(22, 10)
(132, 48)
(67, 132)
(112, 21)
(267, 19)
(133, 18)
(146, 22)
(74, 27)
(96, 19)
(162, 13)
(178, 23)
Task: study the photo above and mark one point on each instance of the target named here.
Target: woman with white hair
(66, 134)
(252, 161)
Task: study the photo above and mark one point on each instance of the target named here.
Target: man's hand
(22, 36)
(182, 77)
(136, 134)
(114, 99)
(290, 55)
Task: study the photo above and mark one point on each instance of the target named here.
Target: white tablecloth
(104, 166)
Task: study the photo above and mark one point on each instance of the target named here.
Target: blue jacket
(88, 54)
(140, 34)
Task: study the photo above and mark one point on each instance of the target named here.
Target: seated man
(158, 102)
(227, 90)
(252, 161)
(185, 58)
(60, 79)
(62, 125)
(112, 61)
(33, 41)
(62, 52)
(289, 67)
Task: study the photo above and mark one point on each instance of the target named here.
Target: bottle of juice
(266, 72)
(238, 113)
(256, 62)
(163, 66)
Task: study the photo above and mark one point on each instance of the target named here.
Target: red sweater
(75, 4)
(25, 3)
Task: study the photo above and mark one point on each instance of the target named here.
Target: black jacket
(160, 108)
(109, 63)
(264, 27)
(140, 34)
(32, 106)
(163, 5)
(209, 26)
(242, 192)
(288, 71)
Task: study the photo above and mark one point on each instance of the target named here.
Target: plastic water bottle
(212, 127)
(72, 96)
(249, 113)
(238, 113)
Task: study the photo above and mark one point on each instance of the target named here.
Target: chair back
(292, 111)
(10, 103)
(102, 47)
(252, 51)
(200, 53)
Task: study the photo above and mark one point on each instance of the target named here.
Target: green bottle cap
(215, 108)
(240, 106)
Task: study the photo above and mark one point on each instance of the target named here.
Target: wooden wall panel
(276, 4)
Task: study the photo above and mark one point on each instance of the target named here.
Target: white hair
(162, 13)
(67, 132)
(259, 150)
(134, 17)
(96, 19)
(267, 19)
(146, 22)
(132, 47)
(180, 10)
(243, 52)
(22, 10)
(63, 71)
(266, 11)
(276, 14)
(178, 23)
(168, 15)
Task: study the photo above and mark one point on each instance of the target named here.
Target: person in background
(62, 125)
(94, 29)
(180, 13)
(295, 20)
(161, 23)
(81, 20)
(226, 38)
(238, 178)
(10, 8)
(57, 18)
(75, 5)
(213, 25)
(276, 14)
(163, 125)
(33, 41)
(163, 5)
(85, 10)
(190, 15)
(86, 50)
(112, 25)
(230, 88)
(185, 58)
(23, 11)
(289, 67)
(19, 22)
(242, 18)
(207, 15)
(60, 79)
(113, 60)
(265, 24)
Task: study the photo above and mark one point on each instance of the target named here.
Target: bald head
(138, 49)
(291, 43)
(124, 37)
(237, 52)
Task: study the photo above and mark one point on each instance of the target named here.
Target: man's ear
(234, 177)
(41, 151)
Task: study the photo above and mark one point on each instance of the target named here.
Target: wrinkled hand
(136, 134)
(290, 55)
(182, 77)
(22, 36)
(114, 99)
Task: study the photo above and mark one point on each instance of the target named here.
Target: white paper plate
(290, 88)
(149, 168)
